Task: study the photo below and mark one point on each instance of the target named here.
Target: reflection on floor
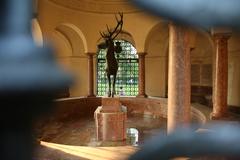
(82, 132)
(76, 139)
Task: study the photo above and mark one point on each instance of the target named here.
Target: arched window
(127, 76)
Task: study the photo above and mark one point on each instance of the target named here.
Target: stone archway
(156, 47)
(202, 67)
(74, 36)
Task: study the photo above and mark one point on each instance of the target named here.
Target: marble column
(141, 75)
(179, 108)
(220, 81)
(90, 75)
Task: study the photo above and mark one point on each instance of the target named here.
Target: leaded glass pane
(127, 76)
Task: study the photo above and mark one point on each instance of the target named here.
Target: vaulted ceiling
(97, 6)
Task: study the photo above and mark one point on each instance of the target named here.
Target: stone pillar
(220, 81)
(179, 108)
(90, 75)
(141, 75)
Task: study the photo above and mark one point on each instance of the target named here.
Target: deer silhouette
(111, 61)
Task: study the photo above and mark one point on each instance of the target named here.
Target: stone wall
(74, 108)
(152, 107)
(71, 108)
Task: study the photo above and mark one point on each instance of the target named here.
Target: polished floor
(76, 139)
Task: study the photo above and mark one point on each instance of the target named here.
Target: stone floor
(76, 139)
(82, 132)
(230, 117)
(53, 151)
(68, 140)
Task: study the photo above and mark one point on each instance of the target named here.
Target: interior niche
(201, 69)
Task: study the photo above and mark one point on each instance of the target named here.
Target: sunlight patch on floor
(94, 153)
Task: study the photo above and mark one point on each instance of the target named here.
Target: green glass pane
(127, 76)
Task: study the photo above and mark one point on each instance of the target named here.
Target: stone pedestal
(110, 119)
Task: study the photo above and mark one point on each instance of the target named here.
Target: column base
(142, 96)
(215, 116)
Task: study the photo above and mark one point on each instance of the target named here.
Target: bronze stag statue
(111, 62)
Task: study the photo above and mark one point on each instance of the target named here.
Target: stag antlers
(115, 31)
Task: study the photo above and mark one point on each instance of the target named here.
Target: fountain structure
(110, 118)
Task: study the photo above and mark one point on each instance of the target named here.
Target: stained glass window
(127, 76)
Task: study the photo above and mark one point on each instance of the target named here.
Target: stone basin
(72, 121)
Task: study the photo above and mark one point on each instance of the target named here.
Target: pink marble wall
(71, 108)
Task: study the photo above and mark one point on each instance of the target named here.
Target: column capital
(219, 32)
(90, 53)
(221, 36)
(142, 53)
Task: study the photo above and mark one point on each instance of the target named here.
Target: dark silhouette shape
(205, 13)
(111, 62)
(29, 79)
(218, 139)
